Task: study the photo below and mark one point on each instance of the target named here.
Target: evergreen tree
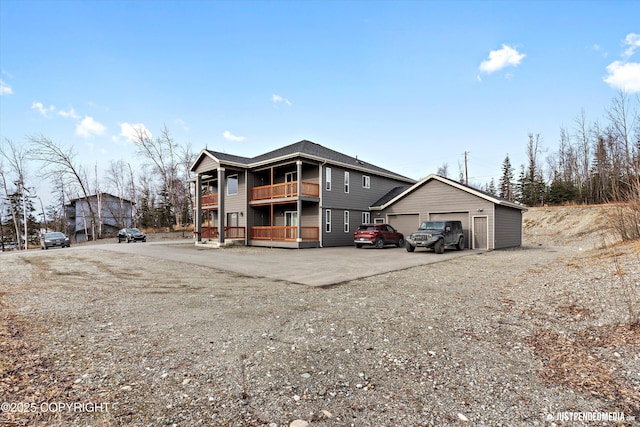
(506, 181)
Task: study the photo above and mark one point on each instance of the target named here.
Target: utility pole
(466, 169)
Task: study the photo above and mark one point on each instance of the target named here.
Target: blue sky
(408, 86)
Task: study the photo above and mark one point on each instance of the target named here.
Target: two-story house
(301, 195)
(111, 214)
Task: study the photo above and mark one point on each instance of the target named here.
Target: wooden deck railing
(210, 199)
(229, 232)
(283, 233)
(284, 190)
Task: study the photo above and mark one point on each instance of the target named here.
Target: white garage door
(463, 217)
(406, 224)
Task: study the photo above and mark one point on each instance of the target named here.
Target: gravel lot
(509, 337)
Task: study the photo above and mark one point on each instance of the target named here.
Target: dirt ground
(530, 336)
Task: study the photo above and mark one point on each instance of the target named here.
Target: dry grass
(572, 361)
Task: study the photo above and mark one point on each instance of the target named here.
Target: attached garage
(404, 223)
(488, 222)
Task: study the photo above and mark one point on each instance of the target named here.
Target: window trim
(346, 182)
(366, 181)
(366, 217)
(346, 221)
(327, 185)
(327, 221)
(229, 178)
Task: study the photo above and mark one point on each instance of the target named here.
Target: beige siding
(207, 164)
(508, 227)
(435, 197)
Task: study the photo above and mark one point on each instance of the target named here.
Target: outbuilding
(488, 222)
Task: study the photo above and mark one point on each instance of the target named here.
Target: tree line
(594, 163)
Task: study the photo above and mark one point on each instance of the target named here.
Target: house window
(327, 221)
(328, 179)
(346, 182)
(232, 185)
(366, 217)
(346, 221)
(366, 181)
(378, 221)
(290, 177)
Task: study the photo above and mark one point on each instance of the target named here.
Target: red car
(377, 235)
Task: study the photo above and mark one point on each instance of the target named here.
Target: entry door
(480, 230)
(290, 189)
(291, 220)
(232, 219)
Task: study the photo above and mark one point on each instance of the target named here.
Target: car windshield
(432, 225)
(133, 230)
(54, 236)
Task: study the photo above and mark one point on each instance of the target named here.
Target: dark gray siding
(356, 201)
(508, 227)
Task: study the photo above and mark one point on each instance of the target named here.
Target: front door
(480, 231)
(291, 220)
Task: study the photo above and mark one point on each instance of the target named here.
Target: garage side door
(463, 217)
(406, 224)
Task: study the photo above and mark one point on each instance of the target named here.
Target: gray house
(112, 213)
(300, 195)
(488, 222)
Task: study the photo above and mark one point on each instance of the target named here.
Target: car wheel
(439, 247)
(358, 245)
(460, 244)
(379, 243)
(400, 242)
(410, 247)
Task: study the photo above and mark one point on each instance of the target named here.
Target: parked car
(437, 235)
(53, 239)
(377, 235)
(131, 235)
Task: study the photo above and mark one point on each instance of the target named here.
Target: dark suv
(377, 235)
(437, 235)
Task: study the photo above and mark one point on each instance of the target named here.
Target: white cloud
(132, 131)
(44, 111)
(88, 127)
(633, 41)
(182, 124)
(277, 98)
(501, 58)
(624, 76)
(231, 137)
(70, 114)
(5, 89)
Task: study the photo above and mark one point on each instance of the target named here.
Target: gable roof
(400, 192)
(304, 148)
(95, 196)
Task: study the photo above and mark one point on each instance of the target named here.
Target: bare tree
(60, 165)
(16, 157)
(119, 179)
(162, 153)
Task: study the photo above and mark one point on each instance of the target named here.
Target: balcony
(284, 233)
(229, 232)
(209, 200)
(284, 191)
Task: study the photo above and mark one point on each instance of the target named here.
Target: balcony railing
(229, 232)
(210, 199)
(283, 233)
(284, 190)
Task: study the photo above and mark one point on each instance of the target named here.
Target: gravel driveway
(513, 337)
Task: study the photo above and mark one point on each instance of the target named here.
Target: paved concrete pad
(314, 267)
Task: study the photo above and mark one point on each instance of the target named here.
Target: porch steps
(214, 244)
